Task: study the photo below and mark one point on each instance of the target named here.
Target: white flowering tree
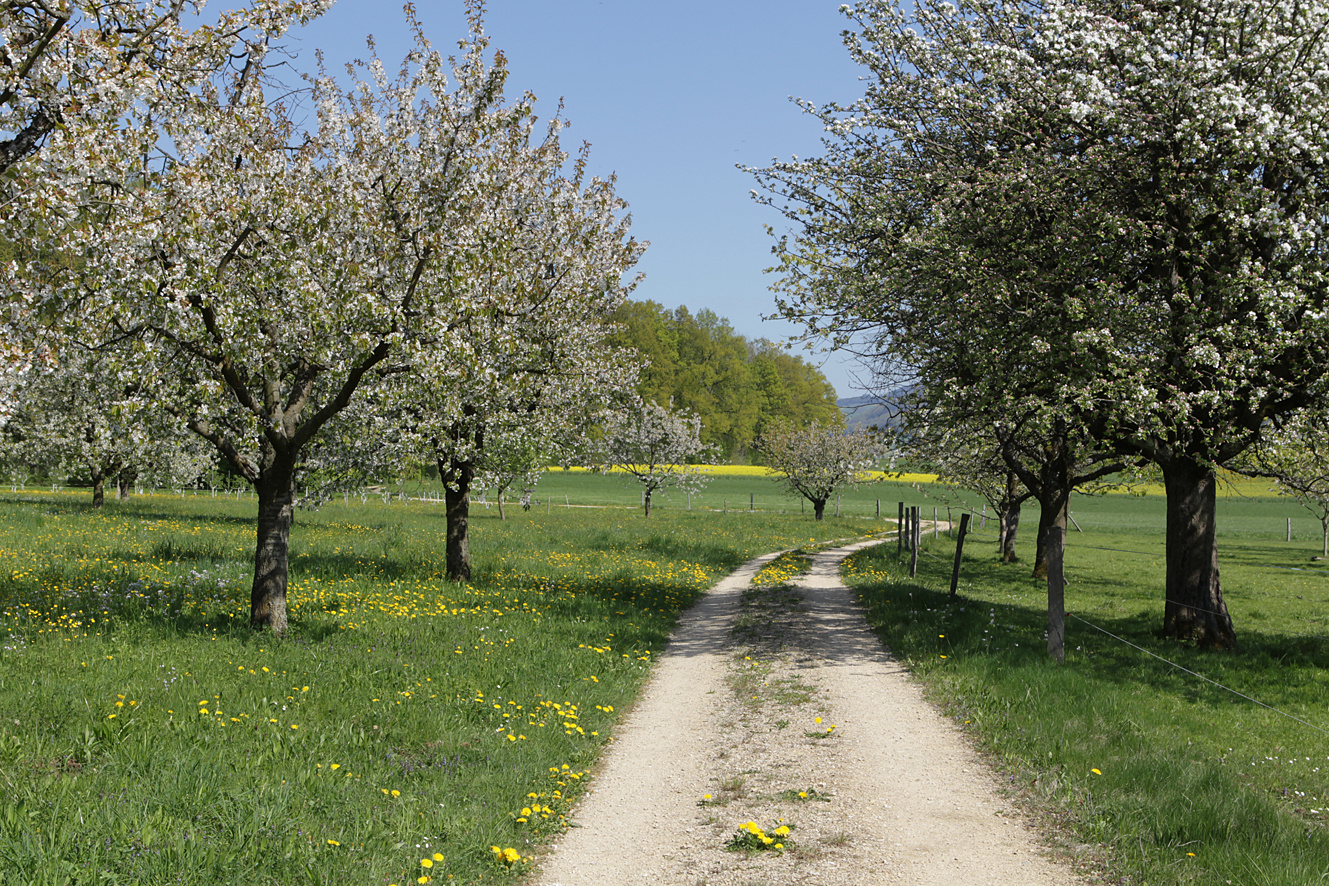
(969, 456)
(265, 275)
(1296, 456)
(536, 370)
(658, 445)
(75, 416)
(818, 460)
(487, 391)
(84, 75)
(1109, 210)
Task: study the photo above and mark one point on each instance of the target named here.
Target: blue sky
(670, 96)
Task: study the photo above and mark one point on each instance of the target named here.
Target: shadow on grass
(141, 509)
(1122, 649)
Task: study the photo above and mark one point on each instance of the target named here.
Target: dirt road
(787, 710)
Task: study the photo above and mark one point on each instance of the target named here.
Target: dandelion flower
(426, 862)
(1096, 771)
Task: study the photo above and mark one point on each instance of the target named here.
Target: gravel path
(726, 733)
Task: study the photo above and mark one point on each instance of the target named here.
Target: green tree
(736, 386)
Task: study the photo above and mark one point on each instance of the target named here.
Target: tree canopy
(735, 385)
(1098, 217)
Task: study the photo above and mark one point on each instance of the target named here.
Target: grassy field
(408, 726)
(405, 729)
(1178, 766)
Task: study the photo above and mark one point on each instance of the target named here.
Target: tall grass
(1126, 747)
(147, 735)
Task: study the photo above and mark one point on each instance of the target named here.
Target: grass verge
(1160, 775)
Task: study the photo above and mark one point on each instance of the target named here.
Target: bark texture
(1195, 611)
(458, 477)
(276, 511)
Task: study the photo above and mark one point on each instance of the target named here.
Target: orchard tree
(534, 370)
(85, 75)
(75, 416)
(818, 460)
(1296, 456)
(658, 445)
(1116, 211)
(969, 456)
(265, 275)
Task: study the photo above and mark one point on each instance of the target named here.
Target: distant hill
(867, 411)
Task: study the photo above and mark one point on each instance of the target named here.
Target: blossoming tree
(1114, 210)
(265, 275)
(75, 416)
(818, 460)
(658, 445)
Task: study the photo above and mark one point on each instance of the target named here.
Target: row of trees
(1087, 235)
(737, 387)
(319, 287)
(418, 273)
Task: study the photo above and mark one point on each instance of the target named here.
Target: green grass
(1194, 783)
(147, 735)
(734, 494)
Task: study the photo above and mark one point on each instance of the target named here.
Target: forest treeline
(737, 385)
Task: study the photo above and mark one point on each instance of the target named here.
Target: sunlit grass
(148, 735)
(1178, 780)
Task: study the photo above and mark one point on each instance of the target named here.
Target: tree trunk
(1195, 611)
(1008, 518)
(457, 505)
(276, 510)
(1054, 487)
(98, 489)
(1040, 545)
(501, 515)
(646, 500)
(124, 482)
(818, 508)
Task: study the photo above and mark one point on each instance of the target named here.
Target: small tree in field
(818, 460)
(655, 444)
(1296, 456)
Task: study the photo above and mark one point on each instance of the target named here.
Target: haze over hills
(868, 410)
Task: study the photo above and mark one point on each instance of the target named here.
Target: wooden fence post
(1056, 547)
(899, 532)
(914, 539)
(959, 548)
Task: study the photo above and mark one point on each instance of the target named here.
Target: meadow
(412, 730)
(1164, 764)
(407, 730)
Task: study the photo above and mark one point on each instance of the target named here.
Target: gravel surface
(881, 789)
